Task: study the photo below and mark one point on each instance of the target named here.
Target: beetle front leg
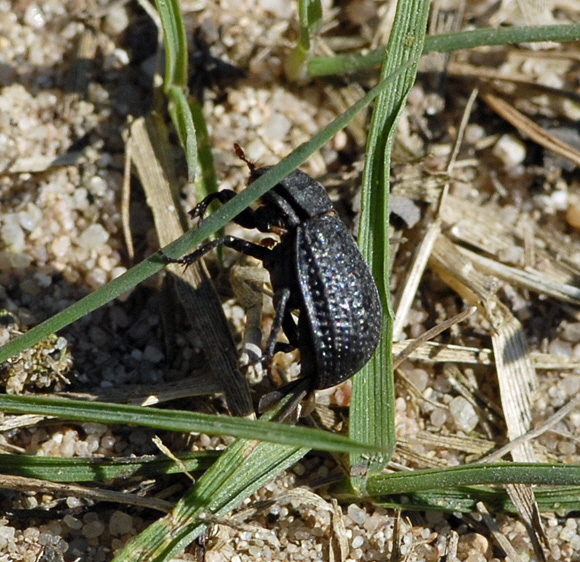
(222, 196)
(242, 246)
(246, 218)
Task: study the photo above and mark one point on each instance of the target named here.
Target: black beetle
(316, 269)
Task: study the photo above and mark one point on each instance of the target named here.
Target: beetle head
(297, 198)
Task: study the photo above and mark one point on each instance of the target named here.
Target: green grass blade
(175, 44)
(446, 42)
(310, 18)
(207, 182)
(562, 500)
(59, 469)
(175, 81)
(469, 475)
(373, 397)
(180, 421)
(192, 238)
(241, 470)
(182, 118)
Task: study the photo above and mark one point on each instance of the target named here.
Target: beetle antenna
(242, 156)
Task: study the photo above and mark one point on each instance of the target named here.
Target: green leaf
(179, 420)
(182, 119)
(469, 475)
(60, 469)
(310, 17)
(175, 44)
(240, 471)
(444, 43)
(372, 405)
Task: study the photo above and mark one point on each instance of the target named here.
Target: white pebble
(510, 150)
(463, 414)
(559, 347)
(80, 198)
(96, 278)
(118, 271)
(73, 503)
(98, 186)
(438, 417)
(30, 218)
(12, 233)
(92, 428)
(7, 535)
(60, 246)
(116, 20)
(559, 200)
(72, 522)
(93, 237)
(276, 127)
(357, 514)
(93, 529)
(420, 378)
(571, 385)
(279, 8)
(34, 17)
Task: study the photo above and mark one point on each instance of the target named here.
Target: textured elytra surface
(341, 302)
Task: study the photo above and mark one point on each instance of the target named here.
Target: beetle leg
(283, 347)
(282, 320)
(246, 218)
(242, 246)
(281, 302)
(222, 196)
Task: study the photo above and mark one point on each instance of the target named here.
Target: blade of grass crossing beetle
(193, 237)
(372, 403)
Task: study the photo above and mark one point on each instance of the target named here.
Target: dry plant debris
(494, 205)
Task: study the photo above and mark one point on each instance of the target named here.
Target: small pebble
(93, 237)
(120, 523)
(357, 514)
(276, 127)
(463, 414)
(116, 20)
(510, 150)
(93, 529)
